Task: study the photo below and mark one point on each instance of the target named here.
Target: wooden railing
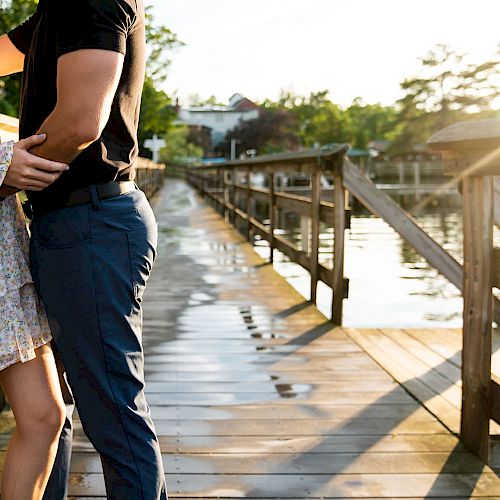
(229, 186)
(472, 154)
(149, 176)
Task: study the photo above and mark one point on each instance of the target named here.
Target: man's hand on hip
(30, 172)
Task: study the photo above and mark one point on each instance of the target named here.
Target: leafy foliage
(271, 132)
(12, 13)
(178, 149)
(447, 89)
(160, 41)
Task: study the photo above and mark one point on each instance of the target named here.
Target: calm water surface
(390, 284)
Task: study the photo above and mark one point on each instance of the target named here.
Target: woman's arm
(6, 153)
(19, 169)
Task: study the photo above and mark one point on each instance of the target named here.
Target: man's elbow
(81, 133)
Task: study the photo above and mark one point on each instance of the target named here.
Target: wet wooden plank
(303, 463)
(298, 486)
(315, 427)
(359, 444)
(281, 387)
(256, 412)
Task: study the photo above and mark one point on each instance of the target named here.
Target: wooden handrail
(149, 176)
(382, 206)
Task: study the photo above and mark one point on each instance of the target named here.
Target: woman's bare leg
(34, 394)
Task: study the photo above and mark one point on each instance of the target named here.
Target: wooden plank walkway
(255, 395)
(427, 362)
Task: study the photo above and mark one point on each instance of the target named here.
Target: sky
(352, 48)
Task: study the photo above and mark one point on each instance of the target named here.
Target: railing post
(249, 205)
(315, 226)
(476, 355)
(272, 217)
(339, 225)
(471, 151)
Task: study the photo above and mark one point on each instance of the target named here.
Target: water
(390, 284)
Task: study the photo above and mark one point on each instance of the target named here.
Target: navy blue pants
(90, 264)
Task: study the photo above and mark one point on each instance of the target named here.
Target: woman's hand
(30, 172)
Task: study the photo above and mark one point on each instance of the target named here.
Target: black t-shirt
(62, 26)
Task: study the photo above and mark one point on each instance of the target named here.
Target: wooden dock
(256, 395)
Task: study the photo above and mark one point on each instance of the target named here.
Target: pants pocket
(142, 246)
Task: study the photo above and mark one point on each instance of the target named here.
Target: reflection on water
(390, 284)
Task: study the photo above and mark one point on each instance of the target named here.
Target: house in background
(217, 119)
(8, 128)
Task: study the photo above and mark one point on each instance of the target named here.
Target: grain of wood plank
(298, 486)
(448, 413)
(304, 463)
(434, 361)
(415, 368)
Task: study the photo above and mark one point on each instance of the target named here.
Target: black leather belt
(104, 191)
(83, 195)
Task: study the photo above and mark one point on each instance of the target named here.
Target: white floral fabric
(23, 322)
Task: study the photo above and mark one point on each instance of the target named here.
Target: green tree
(273, 131)
(369, 122)
(318, 121)
(447, 89)
(12, 13)
(179, 150)
(156, 114)
(161, 41)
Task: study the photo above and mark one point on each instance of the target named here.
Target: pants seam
(105, 362)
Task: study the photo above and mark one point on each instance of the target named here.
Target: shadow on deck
(255, 395)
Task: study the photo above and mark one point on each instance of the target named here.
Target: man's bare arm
(87, 80)
(11, 60)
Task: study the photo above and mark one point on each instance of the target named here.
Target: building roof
(237, 104)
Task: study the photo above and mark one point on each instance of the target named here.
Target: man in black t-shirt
(93, 233)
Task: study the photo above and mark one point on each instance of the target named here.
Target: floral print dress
(23, 323)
